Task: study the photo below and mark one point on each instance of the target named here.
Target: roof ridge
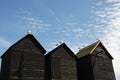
(90, 45)
(95, 46)
(88, 49)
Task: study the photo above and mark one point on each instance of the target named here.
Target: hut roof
(34, 40)
(65, 47)
(90, 49)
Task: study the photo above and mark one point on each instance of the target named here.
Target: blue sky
(75, 22)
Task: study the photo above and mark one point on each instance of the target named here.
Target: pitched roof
(90, 49)
(34, 40)
(65, 47)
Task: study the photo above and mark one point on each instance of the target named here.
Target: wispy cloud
(77, 30)
(71, 23)
(112, 1)
(108, 23)
(33, 22)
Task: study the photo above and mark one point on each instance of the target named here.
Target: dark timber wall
(24, 61)
(102, 64)
(61, 64)
(96, 66)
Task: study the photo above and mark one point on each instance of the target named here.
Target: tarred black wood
(24, 60)
(96, 66)
(61, 64)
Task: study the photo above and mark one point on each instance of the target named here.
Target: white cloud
(77, 30)
(33, 22)
(29, 18)
(108, 22)
(71, 23)
(112, 1)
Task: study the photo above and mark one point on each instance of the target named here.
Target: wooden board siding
(15, 61)
(56, 67)
(96, 65)
(103, 67)
(26, 60)
(64, 64)
(32, 66)
(68, 70)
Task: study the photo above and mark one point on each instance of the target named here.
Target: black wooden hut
(61, 64)
(24, 60)
(95, 63)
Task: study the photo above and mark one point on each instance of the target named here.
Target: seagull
(29, 32)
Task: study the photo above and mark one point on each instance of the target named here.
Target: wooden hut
(95, 63)
(61, 64)
(24, 60)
